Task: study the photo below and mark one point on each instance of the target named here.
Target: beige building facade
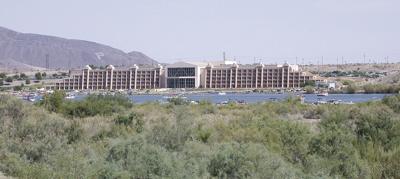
(216, 75)
(113, 79)
(255, 76)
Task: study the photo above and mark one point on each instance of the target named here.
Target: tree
(27, 81)
(393, 102)
(351, 89)
(23, 76)
(3, 75)
(309, 89)
(53, 102)
(9, 79)
(308, 83)
(18, 88)
(347, 82)
(16, 76)
(38, 76)
(335, 143)
(295, 138)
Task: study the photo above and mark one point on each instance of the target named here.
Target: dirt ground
(381, 67)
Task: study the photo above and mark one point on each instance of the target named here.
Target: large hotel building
(215, 75)
(112, 79)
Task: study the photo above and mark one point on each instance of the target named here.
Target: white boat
(321, 102)
(174, 96)
(70, 96)
(221, 93)
(323, 94)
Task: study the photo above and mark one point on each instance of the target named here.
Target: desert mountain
(54, 52)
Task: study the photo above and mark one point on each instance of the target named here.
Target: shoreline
(186, 91)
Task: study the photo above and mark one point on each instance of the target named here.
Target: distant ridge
(34, 49)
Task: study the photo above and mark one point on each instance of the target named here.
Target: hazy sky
(171, 30)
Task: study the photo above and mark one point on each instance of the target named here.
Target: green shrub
(18, 88)
(130, 120)
(38, 76)
(9, 79)
(309, 89)
(310, 83)
(178, 101)
(233, 160)
(203, 134)
(178, 141)
(92, 105)
(351, 89)
(53, 102)
(137, 159)
(393, 102)
(3, 75)
(74, 132)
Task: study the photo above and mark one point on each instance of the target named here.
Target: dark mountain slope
(32, 49)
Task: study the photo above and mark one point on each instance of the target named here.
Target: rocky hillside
(34, 49)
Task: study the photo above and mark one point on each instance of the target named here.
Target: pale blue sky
(170, 30)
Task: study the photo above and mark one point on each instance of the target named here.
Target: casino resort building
(208, 75)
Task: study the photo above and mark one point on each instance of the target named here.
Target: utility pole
(364, 58)
(342, 60)
(47, 61)
(337, 63)
(322, 61)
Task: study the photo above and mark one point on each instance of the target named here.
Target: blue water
(258, 97)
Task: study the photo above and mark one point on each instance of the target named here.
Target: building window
(181, 83)
(178, 72)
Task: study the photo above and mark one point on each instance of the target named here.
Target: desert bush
(53, 102)
(183, 141)
(137, 159)
(393, 102)
(92, 105)
(178, 101)
(233, 160)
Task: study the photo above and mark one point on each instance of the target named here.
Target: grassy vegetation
(354, 73)
(108, 137)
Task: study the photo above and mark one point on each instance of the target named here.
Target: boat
(272, 99)
(70, 96)
(322, 94)
(334, 101)
(30, 98)
(174, 96)
(224, 102)
(221, 93)
(321, 102)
